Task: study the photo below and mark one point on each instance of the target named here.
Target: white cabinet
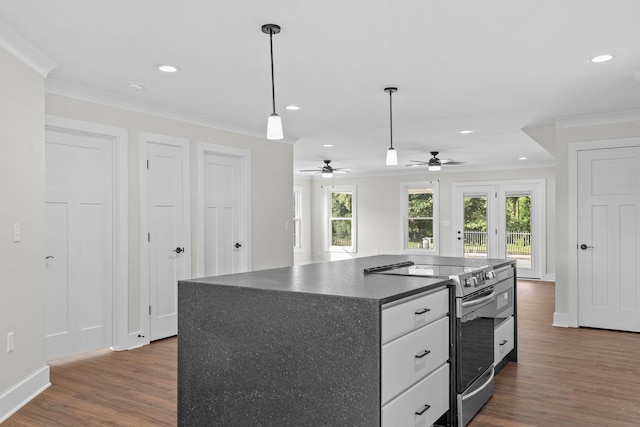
(504, 340)
(415, 351)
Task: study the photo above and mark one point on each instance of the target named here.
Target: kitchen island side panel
(263, 358)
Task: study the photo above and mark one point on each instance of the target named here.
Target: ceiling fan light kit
(274, 123)
(392, 155)
(327, 170)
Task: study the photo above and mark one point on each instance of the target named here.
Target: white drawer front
(410, 408)
(413, 356)
(398, 319)
(503, 340)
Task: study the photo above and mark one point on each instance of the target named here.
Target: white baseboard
(135, 340)
(562, 320)
(23, 393)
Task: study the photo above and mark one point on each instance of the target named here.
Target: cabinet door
(411, 357)
(421, 405)
(399, 319)
(503, 340)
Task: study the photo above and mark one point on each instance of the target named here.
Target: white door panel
(168, 248)
(223, 217)
(609, 238)
(79, 239)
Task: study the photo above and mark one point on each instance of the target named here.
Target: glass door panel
(475, 226)
(518, 229)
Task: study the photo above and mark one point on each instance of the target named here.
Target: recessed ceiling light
(292, 107)
(465, 131)
(522, 158)
(134, 86)
(601, 58)
(166, 68)
(327, 145)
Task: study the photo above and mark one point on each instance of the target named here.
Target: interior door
(79, 240)
(609, 238)
(169, 259)
(225, 248)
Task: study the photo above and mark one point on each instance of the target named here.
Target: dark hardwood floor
(565, 377)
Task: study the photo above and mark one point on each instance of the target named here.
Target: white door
(474, 221)
(169, 251)
(79, 240)
(225, 245)
(501, 219)
(609, 238)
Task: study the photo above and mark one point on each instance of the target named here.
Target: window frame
(404, 219)
(328, 192)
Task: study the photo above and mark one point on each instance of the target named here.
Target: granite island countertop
(346, 278)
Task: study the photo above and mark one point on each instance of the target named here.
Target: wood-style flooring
(564, 377)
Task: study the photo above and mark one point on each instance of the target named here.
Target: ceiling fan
(326, 170)
(434, 162)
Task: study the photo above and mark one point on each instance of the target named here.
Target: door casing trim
(571, 318)
(145, 138)
(119, 144)
(244, 156)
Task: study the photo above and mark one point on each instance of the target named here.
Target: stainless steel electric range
(475, 313)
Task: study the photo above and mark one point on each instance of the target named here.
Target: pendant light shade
(274, 127)
(392, 155)
(274, 123)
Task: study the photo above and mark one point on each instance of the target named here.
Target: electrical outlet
(10, 343)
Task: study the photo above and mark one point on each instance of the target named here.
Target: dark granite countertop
(345, 278)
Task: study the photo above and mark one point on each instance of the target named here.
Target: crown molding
(70, 90)
(13, 43)
(599, 119)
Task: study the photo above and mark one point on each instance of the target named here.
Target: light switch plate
(16, 232)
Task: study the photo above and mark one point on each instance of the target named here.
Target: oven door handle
(478, 301)
(479, 389)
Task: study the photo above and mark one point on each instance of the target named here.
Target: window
(341, 214)
(420, 217)
(297, 217)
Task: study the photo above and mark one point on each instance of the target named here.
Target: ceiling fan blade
(310, 170)
(342, 169)
(451, 162)
(422, 162)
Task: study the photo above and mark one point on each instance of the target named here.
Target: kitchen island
(303, 345)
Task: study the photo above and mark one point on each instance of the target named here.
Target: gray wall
(22, 291)
(23, 106)
(379, 212)
(270, 171)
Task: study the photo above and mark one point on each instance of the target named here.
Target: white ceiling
(493, 66)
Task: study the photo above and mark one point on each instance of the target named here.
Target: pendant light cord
(390, 119)
(273, 84)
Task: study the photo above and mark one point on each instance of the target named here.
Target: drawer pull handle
(423, 354)
(503, 342)
(423, 311)
(423, 410)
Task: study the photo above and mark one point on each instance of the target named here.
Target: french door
(501, 220)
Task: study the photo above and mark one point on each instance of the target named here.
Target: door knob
(584, 247)
(178, 250)
(238, 245)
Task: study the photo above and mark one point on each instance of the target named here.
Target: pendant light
(274, 124)
(392, 156)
